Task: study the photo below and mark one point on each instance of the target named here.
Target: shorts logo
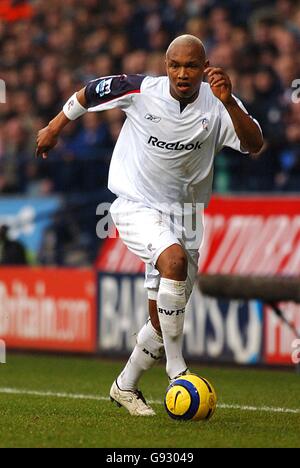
(152, 118)
(103, 87)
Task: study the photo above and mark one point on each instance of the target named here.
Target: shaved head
(185, 63)
(188, 41)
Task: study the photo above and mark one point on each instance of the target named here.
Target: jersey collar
(170, 98)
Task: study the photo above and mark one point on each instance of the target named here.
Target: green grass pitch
(54, 401)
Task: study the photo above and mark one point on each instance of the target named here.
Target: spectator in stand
(288, 176)
(11, 252)
(50, 49)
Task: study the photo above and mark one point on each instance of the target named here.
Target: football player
(161, 172)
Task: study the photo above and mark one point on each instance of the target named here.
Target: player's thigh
(173, 263)
(142, 229)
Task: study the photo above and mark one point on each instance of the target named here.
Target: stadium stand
(50, 49)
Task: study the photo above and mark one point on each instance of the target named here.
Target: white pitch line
(268, 409)
(75, 396)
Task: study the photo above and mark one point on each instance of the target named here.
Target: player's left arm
(246, 129)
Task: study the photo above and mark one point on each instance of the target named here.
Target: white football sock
(171, 302)
(148, 350)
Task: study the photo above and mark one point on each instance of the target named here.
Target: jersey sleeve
(228, 136)
(112, 91)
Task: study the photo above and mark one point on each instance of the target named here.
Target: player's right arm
(100, 94)
(48, 136)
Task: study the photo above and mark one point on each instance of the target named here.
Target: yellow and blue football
(190, 398)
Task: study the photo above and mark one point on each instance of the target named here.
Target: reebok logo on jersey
(179, 146)
(152, 118)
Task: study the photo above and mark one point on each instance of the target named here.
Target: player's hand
(220, 83)
(46, 140)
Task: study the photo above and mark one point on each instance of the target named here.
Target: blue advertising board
(28, 218)
(215, 330)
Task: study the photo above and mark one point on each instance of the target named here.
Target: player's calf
(171, 302)
(148, 350)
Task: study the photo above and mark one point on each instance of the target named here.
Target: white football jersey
(163, 156)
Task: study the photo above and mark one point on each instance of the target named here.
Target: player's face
(185, 68)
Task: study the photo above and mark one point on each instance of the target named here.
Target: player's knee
(176, 268)
(173, 265)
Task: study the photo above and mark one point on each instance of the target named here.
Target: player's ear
(166, 65)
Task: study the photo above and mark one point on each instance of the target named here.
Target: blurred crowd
(48, 50)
